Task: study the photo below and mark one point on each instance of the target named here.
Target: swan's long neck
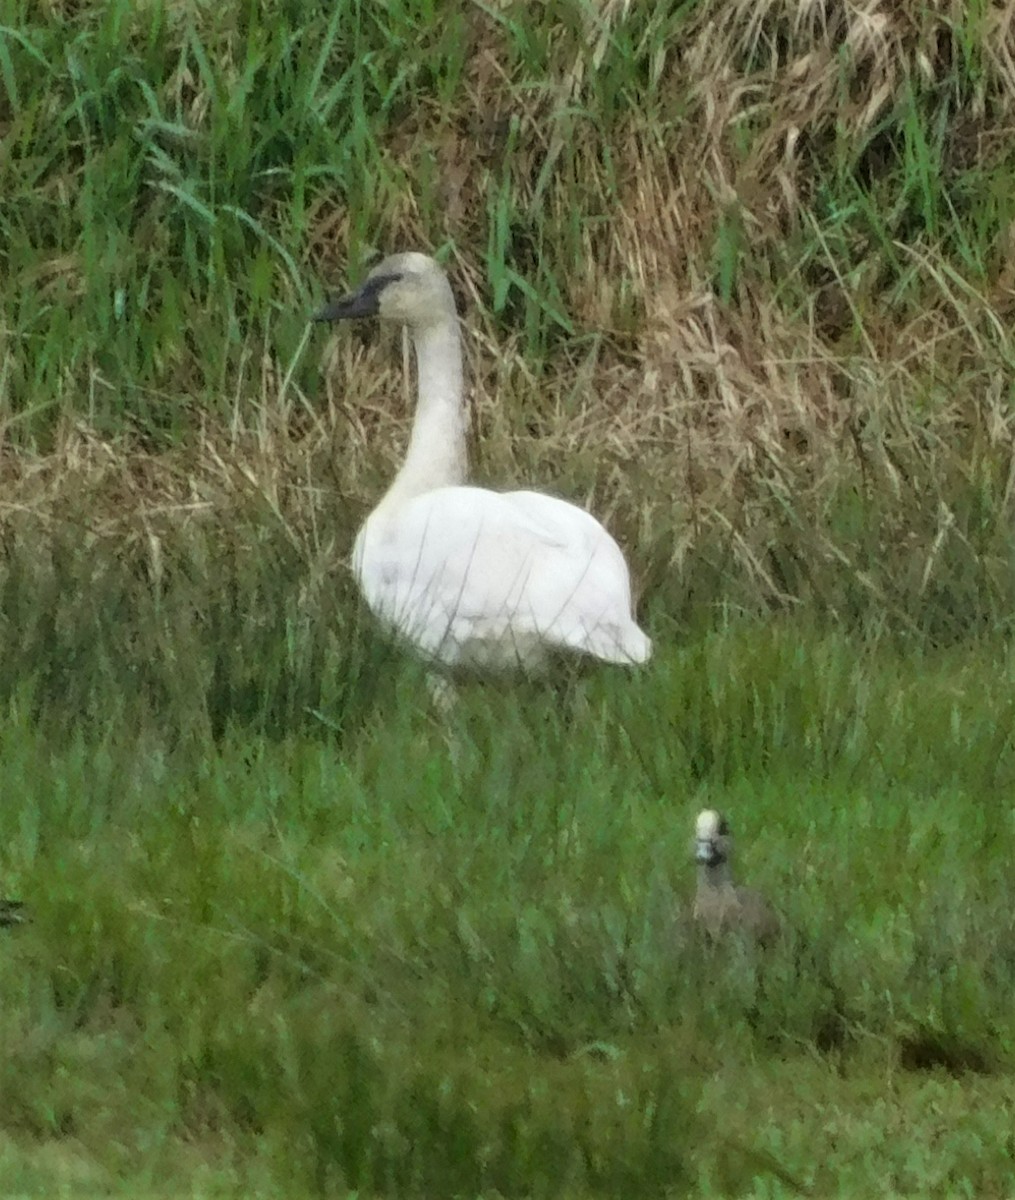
(436, 456)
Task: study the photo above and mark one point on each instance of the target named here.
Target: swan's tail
(627, 645)
(639, 645)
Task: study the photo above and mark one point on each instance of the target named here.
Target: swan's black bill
(365, 302)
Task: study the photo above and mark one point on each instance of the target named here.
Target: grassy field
(289, 962)
(739, 276)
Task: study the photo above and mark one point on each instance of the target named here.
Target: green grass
(176, 175)
(417, 959)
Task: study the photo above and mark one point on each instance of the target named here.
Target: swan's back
(489, 579)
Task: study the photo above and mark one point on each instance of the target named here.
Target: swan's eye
(373, 289)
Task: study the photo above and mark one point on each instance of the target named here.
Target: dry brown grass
(836, 359)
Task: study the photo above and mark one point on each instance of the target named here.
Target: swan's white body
(471, 577)
(492, 580)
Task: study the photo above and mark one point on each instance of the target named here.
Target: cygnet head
(712, 840)
(410, 288)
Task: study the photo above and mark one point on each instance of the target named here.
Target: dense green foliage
(738, 274)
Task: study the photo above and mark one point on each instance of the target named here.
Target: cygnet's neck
(717, 875)
(436, 456)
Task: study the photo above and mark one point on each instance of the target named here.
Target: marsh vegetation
(740, 278)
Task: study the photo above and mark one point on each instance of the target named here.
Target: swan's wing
(460, 565)
(555, 522)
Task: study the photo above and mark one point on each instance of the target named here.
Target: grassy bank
(741, 278)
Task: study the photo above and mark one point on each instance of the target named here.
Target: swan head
(712, 839)
(410, 288)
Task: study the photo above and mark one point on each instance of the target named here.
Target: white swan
(468, 576)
